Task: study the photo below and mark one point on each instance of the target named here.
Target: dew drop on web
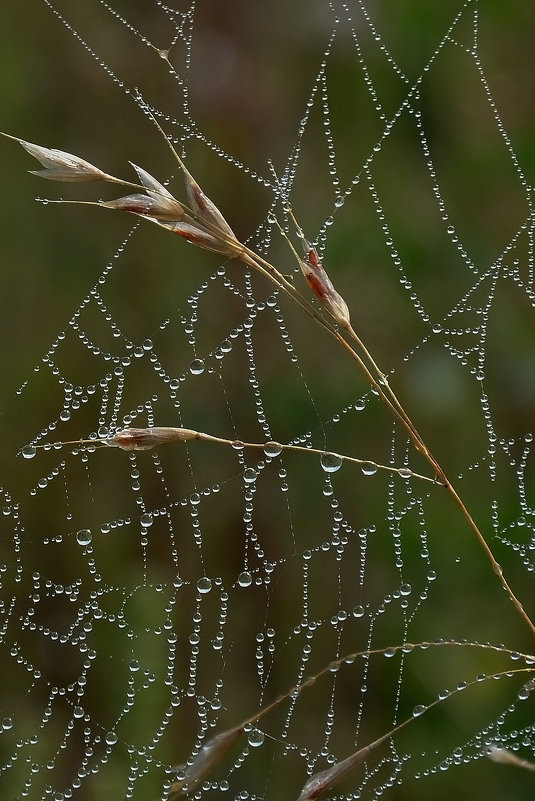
(272, 449)
(255, 738)
(197, 367)
(245, 579)
(369, 469)
(204, 585)
(84, 537)
(331, 462)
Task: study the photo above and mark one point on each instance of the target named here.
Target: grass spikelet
(61, 166)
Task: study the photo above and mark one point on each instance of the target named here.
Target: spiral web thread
(152, 600)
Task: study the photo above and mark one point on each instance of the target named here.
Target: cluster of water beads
(324, 101)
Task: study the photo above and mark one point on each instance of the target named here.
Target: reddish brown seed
(206, 760)
(143, 439)
(205, 209)
(322, 286)
(209, 241)
(159, 208)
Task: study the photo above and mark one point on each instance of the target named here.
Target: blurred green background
(251, 72)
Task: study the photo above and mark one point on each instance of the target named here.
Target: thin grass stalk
(143, 439)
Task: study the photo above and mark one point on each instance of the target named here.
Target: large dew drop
(204, 585)
(249, 475)
(255, 738)
(84, 537)
(272, 449)
(196, 367)
(369, 469)
(29, 451)
(245, 579)
(331, 462)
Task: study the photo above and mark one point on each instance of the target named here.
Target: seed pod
(322, 286)
(206, 760)
(170, 208)
(61, 166)
(203, 206)
(161, 208)
(207, 240)
(319, 783)
(143, 439)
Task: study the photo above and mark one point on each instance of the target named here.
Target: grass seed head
(61, 166)
(203, 207)
(143, 439)
(323, 288)
(161, 208)
(206, 240)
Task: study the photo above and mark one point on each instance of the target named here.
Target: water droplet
(111, 738)
(84, 537)
(196, 367)
(29, 451)
(249, 475)
(418, 710)
(7, 724)
(78, 712)
(390, 652)
(331, 462)
(272, 449)
(369, 469)
(134, 666)
(204, 585)
(245, 579)
(358, 611)
(255, 738)
(146, 520)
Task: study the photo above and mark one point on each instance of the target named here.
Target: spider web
(153, 600)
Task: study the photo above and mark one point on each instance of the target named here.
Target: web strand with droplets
(157, 599)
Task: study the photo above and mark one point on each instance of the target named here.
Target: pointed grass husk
(168, 206)
(143, 439)
(323, 288)
(60, 165)
(204, 208)
(205, 761)
(506, 757)
(319, 783)
(147, 206)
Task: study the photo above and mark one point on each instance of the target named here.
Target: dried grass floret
(61, 166)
